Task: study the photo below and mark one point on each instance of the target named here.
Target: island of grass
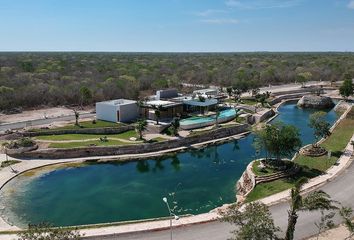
(311, 166)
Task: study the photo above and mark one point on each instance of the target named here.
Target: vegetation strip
(312, 166)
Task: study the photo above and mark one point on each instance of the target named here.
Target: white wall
(106, 112)
(128, 112)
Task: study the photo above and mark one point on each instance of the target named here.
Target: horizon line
(191, 52)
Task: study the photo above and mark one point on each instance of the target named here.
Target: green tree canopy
(347, 88)
(255, 222)
(278, 140)
(320, 125)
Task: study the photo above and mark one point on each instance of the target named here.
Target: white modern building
(119, 110)
(207, 92)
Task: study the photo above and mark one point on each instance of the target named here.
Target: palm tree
(77, 115)
(140, 127)
(140, 103)
(158, 110)
(175, 125)
(317, 200)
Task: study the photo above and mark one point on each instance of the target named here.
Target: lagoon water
(194, 181)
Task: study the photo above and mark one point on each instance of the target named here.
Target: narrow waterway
(194, 181)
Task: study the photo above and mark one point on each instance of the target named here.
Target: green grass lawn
(269, 188)
(249, 101)
(259, 172)
(125, 135)
(340, 136)
(266, 189)
(312, 166)
(159, 139)
(88, 143)
(85, 124)
(319, 163)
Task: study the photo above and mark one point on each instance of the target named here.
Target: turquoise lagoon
(194, 181)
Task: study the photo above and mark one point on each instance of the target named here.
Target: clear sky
(177, 25)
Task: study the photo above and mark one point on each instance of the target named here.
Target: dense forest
(36, 79)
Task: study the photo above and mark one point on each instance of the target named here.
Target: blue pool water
(195, 182)
(231, 112)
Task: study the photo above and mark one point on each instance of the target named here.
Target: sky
(177, 25)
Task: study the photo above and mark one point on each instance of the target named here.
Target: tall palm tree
(77, 115)
(140, 127)
(141, 104)
(175, 125)
(158, 110)
(317, 200)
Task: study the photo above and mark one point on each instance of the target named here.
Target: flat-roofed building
(168, 109)
(166, 94)
(207, 92)
(119, 110)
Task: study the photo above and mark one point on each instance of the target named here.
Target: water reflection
(142, 166)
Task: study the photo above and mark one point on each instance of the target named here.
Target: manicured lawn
(125, 135)
(86, 124)
(88, 143)
(312, 166)
(128, 134)
(248, 101)
(266, 189)
(340, 136)
(259, 172)
(159, 139)
(319, 163)
(200, 132)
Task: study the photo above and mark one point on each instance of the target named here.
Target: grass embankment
(312, 166)
(229, 124)
(261, 172)
(88, 143)
(100, 143)
(84, 124)
(67, 137)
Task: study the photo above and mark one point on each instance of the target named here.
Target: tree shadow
(304, 172)
(143, 166)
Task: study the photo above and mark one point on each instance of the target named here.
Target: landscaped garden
(311, 166)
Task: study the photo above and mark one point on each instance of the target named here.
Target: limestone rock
(317, 102)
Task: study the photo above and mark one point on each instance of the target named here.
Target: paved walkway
(339, 232)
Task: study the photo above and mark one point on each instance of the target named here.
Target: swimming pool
(198, 122)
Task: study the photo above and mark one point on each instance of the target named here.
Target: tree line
(51, 79)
